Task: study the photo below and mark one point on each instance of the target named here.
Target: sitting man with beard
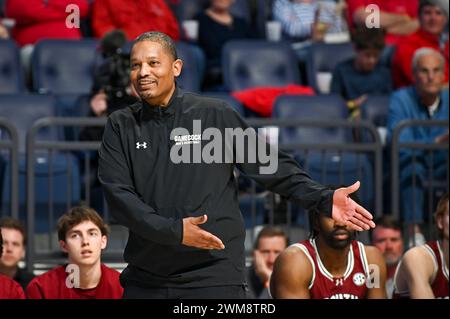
(329, 265)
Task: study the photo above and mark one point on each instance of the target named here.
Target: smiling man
(186, 232)
(82, 235)
(330, 265)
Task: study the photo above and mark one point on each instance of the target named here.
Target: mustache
(341, 230)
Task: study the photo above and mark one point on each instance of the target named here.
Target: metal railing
(397, 145)
(34, 145)
(12, 145)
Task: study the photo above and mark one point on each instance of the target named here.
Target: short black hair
(313, 214)
(364, 38)
(161, 38)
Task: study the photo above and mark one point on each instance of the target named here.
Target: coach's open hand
(194, 236)
(348, 212)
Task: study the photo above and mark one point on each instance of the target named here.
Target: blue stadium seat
(253, 63)
(11, 73)
(231, 101)
(331, 167)
(323, 58)
(23, 111)
(312, 107)
(375, 109)
(191, 75)
(63, 66)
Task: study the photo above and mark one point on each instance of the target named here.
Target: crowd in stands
(405, 58)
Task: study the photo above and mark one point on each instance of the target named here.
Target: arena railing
(33, 145)
(432, 185)
(12, 145)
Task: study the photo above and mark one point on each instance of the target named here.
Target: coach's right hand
(194, 236)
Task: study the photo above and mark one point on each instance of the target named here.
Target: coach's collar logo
(141, 145)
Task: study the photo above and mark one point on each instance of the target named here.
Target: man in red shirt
(133, 17)
(38, 19)
(82, 235)
(9, 289)
(397, 17)
(330, 265)
(433, 16)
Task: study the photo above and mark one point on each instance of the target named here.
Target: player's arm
(377, 281)
(291, 275)
(417, 268)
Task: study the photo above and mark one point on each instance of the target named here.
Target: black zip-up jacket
(150, 195)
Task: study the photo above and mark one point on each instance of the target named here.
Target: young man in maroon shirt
(9, 289)
(82, 235)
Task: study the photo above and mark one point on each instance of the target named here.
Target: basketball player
(82, 235)
(423, 271)
(330, 265)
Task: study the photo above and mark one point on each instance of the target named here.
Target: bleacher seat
(312, 107)
(231, 101)
(22, 111)
(330, 167)
(375, 109)
(11, 73)
(190, 78)
(256, 63)
(322, 59)
(63, 66)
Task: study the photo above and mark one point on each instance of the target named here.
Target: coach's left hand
(348, 212)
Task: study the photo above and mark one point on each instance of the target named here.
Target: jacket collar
(152, 111)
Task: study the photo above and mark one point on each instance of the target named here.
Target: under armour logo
(141, 145)
(339, 282)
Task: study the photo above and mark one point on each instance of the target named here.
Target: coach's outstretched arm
(131, 211)
(290, 180)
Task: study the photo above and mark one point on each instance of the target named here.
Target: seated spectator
(217, 26)
(423, 271)
(308, 19)
(133, 17)
(14, 241)
(426, 100)
(4, 34)
(9, 289)
(355, 78)
(397, 17)
(271, 242)
(37, 19)
(433, 17)
(387, 237)
(82, 235)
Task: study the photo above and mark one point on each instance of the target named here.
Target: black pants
(217, 292)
